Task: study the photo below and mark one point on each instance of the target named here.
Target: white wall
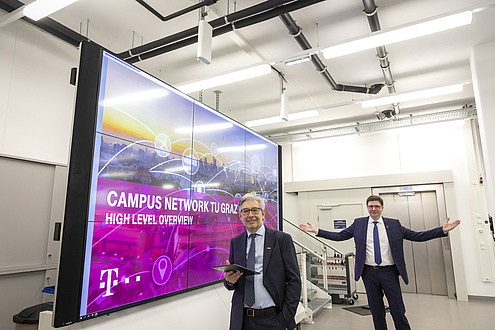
(36, 107)
(36, 99)
(483, 71)
(426, 148)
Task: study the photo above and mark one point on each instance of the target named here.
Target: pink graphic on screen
(147, 242)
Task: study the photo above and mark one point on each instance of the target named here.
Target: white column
(483, 74)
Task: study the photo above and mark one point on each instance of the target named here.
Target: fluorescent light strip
(303, 114)
(416, 95)
(42, 8)
(297, 61)
(264, 121)
(204, 128)
(225, 79)
(278, 119)
(405, 33)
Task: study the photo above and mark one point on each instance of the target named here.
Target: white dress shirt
(387, 258)
(262, 298)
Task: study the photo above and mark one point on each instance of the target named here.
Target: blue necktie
(376, 244)
(249, 299)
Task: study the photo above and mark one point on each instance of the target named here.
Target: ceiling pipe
(228, 19)
(296, 32)
(261, 17)
(371, 11)
(177, 13)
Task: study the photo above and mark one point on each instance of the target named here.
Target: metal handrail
(313, 237)
(308, 250)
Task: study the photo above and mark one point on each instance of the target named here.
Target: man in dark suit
(380, 258)
(268, 300)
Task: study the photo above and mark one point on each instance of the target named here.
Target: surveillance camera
(388, 113)
(379, 115)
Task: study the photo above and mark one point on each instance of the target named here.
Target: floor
(424, 312)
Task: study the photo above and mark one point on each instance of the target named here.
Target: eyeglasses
(254, 210)
(374, 206)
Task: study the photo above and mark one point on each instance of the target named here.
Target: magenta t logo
(109, 280)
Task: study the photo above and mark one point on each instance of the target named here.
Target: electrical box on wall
(484, 242)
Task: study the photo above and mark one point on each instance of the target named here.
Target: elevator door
(424, 260)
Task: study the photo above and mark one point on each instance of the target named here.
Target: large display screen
(154, 181)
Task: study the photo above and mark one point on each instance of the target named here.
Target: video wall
(155, 205)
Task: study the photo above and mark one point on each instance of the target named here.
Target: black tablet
(234, 267)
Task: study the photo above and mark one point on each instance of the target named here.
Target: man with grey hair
(269, 299)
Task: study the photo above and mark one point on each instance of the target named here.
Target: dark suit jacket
(396, 233)
(281, 276)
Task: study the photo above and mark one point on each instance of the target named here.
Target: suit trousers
(268, 322)
(380, 281)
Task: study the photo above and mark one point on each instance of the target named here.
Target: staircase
(318, 286)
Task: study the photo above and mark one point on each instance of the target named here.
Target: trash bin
(29, 317)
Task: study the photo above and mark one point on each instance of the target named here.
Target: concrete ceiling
(429, 61)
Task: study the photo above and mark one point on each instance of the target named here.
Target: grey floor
(424, 312)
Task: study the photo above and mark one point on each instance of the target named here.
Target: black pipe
(177, 13)
(224, 29)
(371, 11)
(296, 32)
(256, 9)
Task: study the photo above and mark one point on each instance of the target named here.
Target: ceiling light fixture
(414, 95)
(264, 121)
(303, 114)
(297, 61)
(225, 79)
(278, 119)
(35, 10)
(42, 8)
(387, 37)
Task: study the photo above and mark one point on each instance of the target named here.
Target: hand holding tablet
(235, 267)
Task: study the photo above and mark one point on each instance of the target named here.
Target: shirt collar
(260, 231)
(370, 220)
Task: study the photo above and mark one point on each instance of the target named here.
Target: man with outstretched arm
(380, 258)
